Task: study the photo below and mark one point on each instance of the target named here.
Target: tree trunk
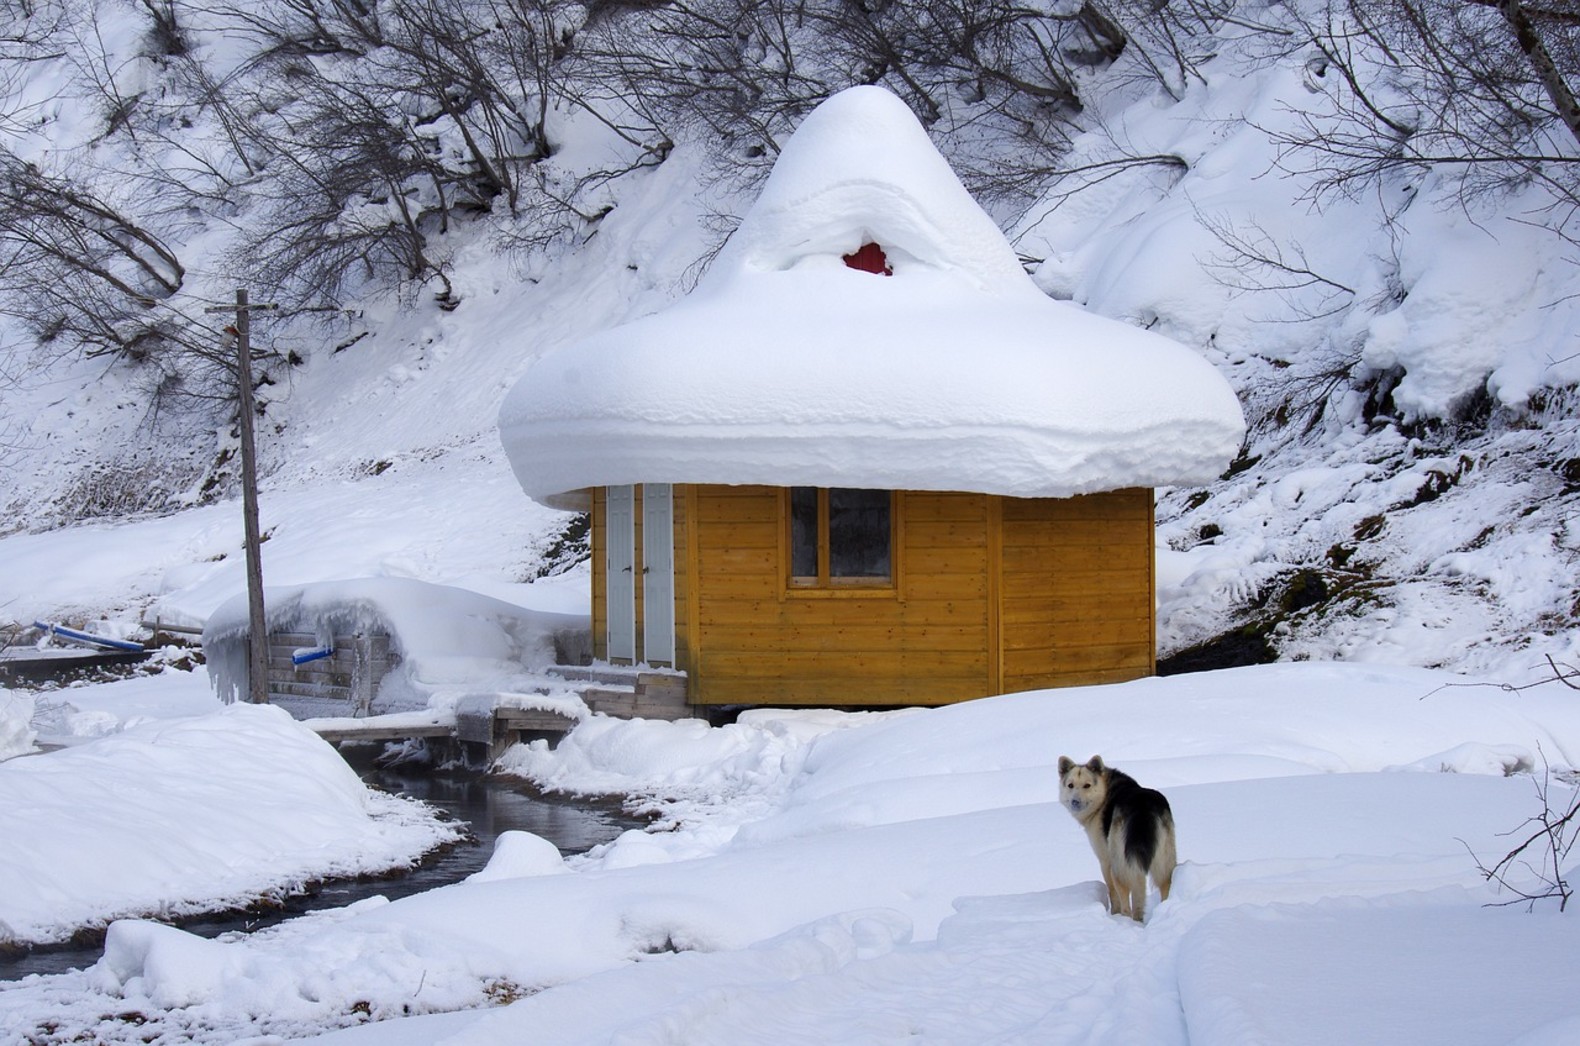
(1530, 41)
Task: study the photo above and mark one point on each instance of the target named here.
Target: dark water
(488, 805)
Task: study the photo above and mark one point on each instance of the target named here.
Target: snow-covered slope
(1406, 356)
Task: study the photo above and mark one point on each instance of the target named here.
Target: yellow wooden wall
(1078, 593)
(755, 640)
(991, 595)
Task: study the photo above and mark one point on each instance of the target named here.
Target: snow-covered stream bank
(826, 877)
(488, 807)
(191, 814)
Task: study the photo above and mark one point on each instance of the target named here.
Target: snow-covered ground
(164, 802)
(830, 877)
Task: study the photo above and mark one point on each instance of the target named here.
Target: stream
(490, 805)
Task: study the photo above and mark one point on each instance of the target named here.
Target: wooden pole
(257, 629)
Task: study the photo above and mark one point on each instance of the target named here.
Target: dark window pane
(858, 533)
(803, 532)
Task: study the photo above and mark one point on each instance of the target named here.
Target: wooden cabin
(868, 462)
(809, 596)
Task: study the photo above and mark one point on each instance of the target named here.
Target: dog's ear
(1066, 764)
(1095, 764)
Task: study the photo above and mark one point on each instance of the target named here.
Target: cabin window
(840, 536)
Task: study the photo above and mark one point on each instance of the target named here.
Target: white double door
(657, 571)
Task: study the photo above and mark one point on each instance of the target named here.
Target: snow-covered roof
(787, 367)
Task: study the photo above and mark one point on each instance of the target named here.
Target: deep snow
(829, 877)
(181, 807)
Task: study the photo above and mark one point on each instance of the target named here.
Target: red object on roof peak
(870, 258)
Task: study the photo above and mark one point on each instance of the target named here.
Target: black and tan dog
(1131, 830)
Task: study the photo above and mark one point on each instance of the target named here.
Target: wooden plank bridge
(490, 723)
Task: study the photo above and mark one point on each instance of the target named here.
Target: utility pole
(257, 630)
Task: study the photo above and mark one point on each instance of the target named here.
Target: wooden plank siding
(350, 675)
(990, 595)
(1077, 590)
(760, 640)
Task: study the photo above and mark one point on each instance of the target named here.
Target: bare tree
(1480, 90)
(409, 115)
(1536, 867)
(73, 265)
(733, 73)
(350, 197)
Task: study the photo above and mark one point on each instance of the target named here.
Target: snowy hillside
(1403, 340)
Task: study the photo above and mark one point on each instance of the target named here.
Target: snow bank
(82, 711)
(787, 367)
(653, 756)
(820, 771)
(16, 717)
(1338, 971)
(185, 815)
(517, 854)
(450, 641)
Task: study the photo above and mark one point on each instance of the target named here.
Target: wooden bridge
(489, 723)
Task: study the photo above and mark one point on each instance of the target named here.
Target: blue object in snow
(89, 639)
(302, 655)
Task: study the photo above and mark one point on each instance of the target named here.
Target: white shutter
(620, 584)
(658, 574)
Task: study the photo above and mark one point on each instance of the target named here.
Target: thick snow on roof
(787, 367)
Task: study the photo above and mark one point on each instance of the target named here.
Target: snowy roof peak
(861, 169)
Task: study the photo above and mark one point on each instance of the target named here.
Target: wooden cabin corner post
(1152, 579)
(691, 613)
(995, 593)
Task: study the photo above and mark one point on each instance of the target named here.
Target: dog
(1131, 830)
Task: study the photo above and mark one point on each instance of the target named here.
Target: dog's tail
(1149, 831)
(1162, 865)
